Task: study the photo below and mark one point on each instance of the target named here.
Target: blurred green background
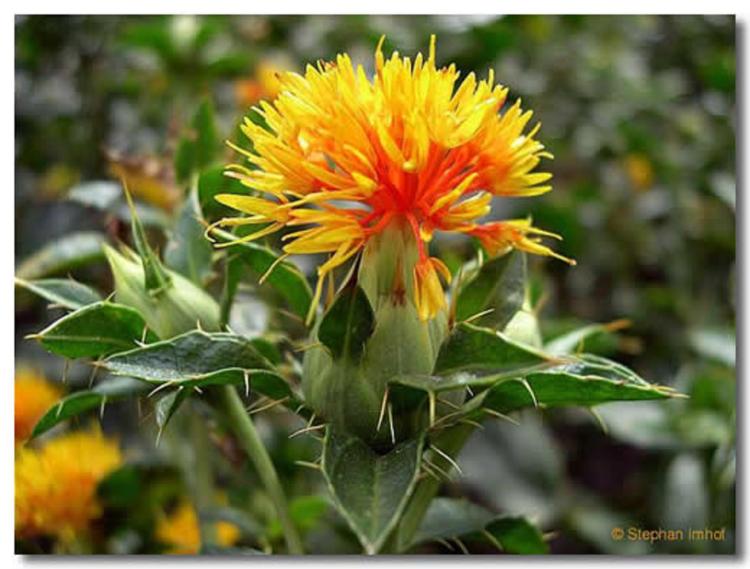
(640, 114)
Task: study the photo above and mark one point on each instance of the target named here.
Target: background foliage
(640, 115)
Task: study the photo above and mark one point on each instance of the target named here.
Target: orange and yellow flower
(342, 157)
(34, 395)
(56, 484)
(181, 532)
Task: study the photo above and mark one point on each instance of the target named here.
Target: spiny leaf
(83, 401)
(348, 323)
(369, 490)
(471, 348)
(199, 359)
(63, 254)
(63, 292)
(94, 331)
(585, 380)
(190, 355)
(497, 285)
(451, 517)
(156, 278)
(168, 405)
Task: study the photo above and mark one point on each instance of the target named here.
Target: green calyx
(382, 336)
(176, 308)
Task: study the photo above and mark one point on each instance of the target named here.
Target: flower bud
(178, 308)
(351, 393)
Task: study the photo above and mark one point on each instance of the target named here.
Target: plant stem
(201, 474)
(450, 442)
(250, 440)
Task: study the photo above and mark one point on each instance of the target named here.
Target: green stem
(451, 442)
(187, 442)
(202, 481)
(248, 437)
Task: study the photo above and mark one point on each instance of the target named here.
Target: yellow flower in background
(345, 157)
(265, 83)
(33, 396)
(639, 170)
(56, 484)
(181, 531)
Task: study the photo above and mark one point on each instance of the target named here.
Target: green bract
(370, 334)
(176, 308)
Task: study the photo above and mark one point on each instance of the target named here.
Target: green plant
(392, 372)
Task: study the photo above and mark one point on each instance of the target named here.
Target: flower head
(56, 484)
(34, 395)
(342, 157)
(181, 532)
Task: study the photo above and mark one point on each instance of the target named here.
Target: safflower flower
(342, 158)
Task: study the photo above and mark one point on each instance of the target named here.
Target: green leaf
(197, 148)
(585, 380)
(212, 182)
(451, 517)
(498, 284)
(188, 251)
(348, 323)
(156, 277)
(471, 348)
(63, 254)
(83, 401)
(233, 269)
(63, 292)
(369, 490)
(184, 159)
(168, 405)
(572, 341)
(207, 138)
(518, 535)
(286, 279)
(94, 331)
(197, 359)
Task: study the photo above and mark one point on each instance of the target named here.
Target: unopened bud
(178, 308)
(352, 394)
